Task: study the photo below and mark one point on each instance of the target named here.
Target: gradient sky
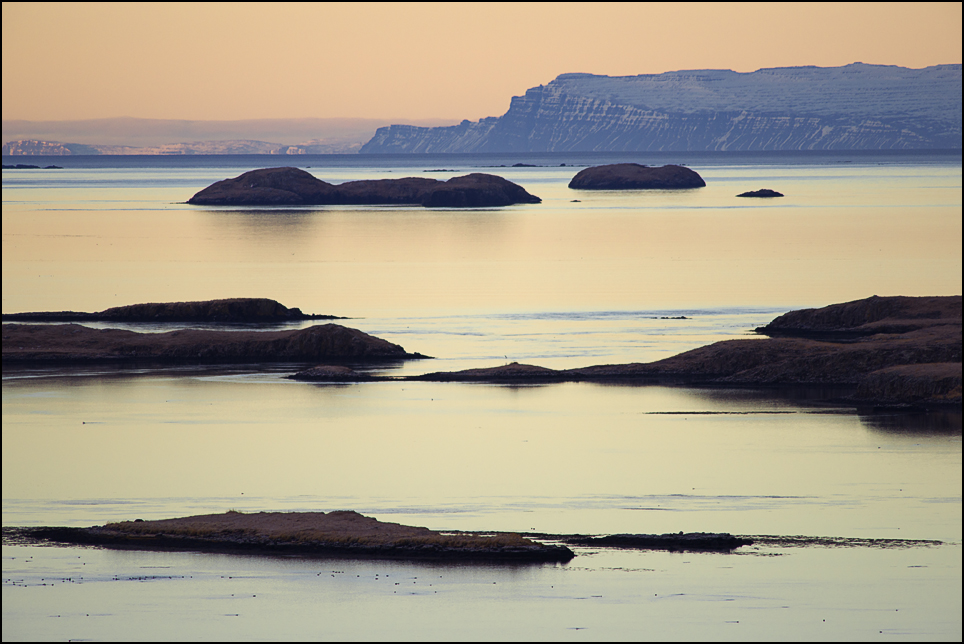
(244, 61)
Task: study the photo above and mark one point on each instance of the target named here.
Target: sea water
(582, 278)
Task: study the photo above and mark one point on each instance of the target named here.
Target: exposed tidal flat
(557, 284)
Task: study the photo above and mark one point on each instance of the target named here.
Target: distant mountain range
(170, 136)
(35, 147)
(852, 107)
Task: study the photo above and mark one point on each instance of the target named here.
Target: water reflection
(914, 423)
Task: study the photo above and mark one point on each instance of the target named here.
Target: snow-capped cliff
(856, 106)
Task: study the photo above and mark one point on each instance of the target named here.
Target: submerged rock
(291, 186)
(633, 176)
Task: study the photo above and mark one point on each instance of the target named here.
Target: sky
(224, 61)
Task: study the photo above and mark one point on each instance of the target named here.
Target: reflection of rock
(765, 192)
(57, 343)
(291, 186)
(913, 383)
(236, 310)
(633, 176)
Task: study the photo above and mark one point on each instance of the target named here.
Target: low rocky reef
(230, 311)
(347, 533)
(633, 176)
(765, 193)
(339, 533)
(689, 541)
(73, 343)
(25, 166)
(895, 350)
(291, 186)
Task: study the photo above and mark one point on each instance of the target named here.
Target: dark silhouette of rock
(55, 343)
(895, 314)
(337, 533)
(633, 176)
(236, 310)
(765, 192)
(331, 373)
(690, 541)
(477, 190)
(266, 187)
(291, 186)
(896, 350)
(506, 373)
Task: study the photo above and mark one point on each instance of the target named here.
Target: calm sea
(582, 278)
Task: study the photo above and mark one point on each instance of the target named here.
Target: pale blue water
(561, 284)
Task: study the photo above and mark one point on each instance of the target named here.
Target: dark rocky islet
(33, 344)
(226, 311)
(633, 176)
(292, 186)
(764, 193)
(338, 533)
(894, 350)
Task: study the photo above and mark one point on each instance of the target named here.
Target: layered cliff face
(798, 108)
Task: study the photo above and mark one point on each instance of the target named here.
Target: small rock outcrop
(331, 373)
(513, 372)
(230, 311)
(765, 193)
(291, 186)
(633, 176)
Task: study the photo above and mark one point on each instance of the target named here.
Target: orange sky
(243, 61)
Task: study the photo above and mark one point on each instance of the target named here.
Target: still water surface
(562, 284)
